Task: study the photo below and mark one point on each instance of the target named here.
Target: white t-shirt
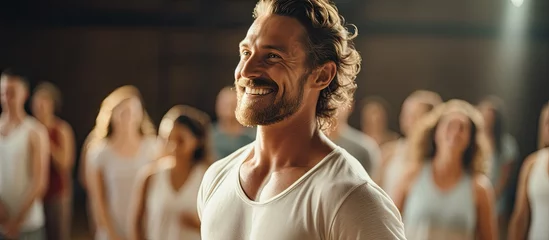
(336, 199)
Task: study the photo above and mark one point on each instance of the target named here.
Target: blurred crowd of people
(453, 161)
(298, 175)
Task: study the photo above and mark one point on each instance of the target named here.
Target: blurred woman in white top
(122, 143)
(531, 213)
(164, 206)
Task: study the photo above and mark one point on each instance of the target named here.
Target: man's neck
(290, 143)
(13, 116)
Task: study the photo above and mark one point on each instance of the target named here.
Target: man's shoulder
(356, 192)
(342, 174)
(346, 179)
(367, 195)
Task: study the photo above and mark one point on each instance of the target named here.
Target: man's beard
(248, 115)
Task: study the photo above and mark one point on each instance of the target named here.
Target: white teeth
(258, 91)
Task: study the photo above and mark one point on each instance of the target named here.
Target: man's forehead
(274, 28)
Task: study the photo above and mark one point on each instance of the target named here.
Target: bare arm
(486, 213)
(138, 205)
(63, 156)
(39, 157)
(97, 195)
(83, 162)
(520, 219)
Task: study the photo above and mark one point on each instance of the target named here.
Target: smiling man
(297, 67)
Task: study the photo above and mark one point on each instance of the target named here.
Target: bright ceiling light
(517, 3)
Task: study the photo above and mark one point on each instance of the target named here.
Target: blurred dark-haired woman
(164, 203)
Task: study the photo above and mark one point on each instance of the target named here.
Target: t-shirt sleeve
(367, 213)
(205, 189)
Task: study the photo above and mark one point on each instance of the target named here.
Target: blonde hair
(544, 114)
(101, 129)
(422, 135)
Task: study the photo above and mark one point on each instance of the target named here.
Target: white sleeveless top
(165, 205)
(15, 174)
(395, 169)
(119, 175)
(434, 214)
(538, 195)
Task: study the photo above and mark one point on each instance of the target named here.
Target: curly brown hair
(327, 40)
(476, 156)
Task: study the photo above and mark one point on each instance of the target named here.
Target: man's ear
(324, 75)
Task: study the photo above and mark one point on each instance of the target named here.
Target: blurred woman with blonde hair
(529, 219)
(122, 142)
(164, 202)
(446, 194)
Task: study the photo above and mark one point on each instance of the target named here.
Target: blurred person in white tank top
(531, 213)
(164, 201)
(393, 154)
(24, 158)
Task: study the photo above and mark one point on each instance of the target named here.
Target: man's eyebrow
(275, 47)
(244, 44)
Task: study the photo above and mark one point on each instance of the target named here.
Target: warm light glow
(517, 3)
